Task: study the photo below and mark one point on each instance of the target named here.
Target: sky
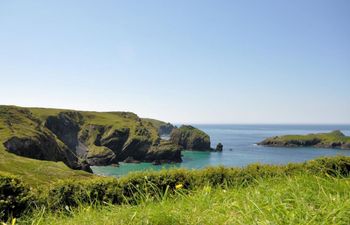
(183, 61)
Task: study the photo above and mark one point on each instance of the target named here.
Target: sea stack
(219, 147)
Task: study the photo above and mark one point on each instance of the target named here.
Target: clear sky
(193, 61)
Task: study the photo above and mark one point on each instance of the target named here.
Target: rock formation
(219, 147)
(190, 138)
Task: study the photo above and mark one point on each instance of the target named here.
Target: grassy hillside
(34, 172)
(30, 124)
(334, 139)
(298, 199)
(37, 172)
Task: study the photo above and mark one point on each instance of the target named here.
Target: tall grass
(297, 199)
(170, 188)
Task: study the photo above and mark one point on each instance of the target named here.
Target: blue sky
(191, 61)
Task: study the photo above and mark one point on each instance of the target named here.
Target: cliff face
(334, 139)
(80, 139)
(190, 138)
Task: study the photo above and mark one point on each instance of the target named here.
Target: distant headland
(334, 139)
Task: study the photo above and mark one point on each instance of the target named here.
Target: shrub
(137, 187)
(14, 197)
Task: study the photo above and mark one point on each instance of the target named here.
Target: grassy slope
(324, 138)
(194, 131)
(37, 172)
(156, 123)
(334, 136)
(118, 120)
(32, 171)
(299, 199)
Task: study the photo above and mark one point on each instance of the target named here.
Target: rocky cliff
(190, 138)
(334, 139)
(80, 139)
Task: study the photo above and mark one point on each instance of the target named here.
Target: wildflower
(179, 186)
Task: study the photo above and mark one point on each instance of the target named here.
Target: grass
(38, 172)
(334, 136)
(297, 199)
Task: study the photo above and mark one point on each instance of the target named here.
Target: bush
(73, 193)
(137, 187)
(14, 197)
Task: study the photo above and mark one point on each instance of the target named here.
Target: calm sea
(240, 148)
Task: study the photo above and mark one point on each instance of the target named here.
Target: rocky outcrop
(334, 139)
(164, 152)
(190, 138)
(44, 147)
(219, 147)
(66, 126)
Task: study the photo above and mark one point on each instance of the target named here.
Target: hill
(334, 139)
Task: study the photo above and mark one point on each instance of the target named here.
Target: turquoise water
(240, 148)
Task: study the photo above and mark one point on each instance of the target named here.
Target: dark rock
(66, 126)
(101, 156)
(165, 151)
(130, 159)
(156, 162)
(219, 147)
(85, 167)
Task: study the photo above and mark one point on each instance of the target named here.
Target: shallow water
(240, 148)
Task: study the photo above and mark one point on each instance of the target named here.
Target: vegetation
(298, 199)
(334, 139)
(92, 194)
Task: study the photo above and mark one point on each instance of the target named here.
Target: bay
(240, 148)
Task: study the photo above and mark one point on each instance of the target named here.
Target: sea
(240, 148)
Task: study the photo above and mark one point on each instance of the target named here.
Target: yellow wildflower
(179, 186)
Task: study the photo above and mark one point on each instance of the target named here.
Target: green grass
(334, 136)
(38, 172)
(156, 123)
(297, 199)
